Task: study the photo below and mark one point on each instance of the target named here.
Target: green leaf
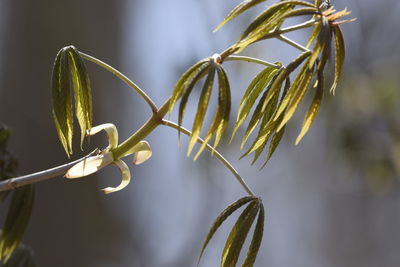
(202, 108)
(339, 56)
(187, 89)
(252, 93)
(314, 108)
(221, 117)
(62, 100)
(256, 240)
(245, 5)
(22, 257)
(314, 34)
(184, 81)
(17, 220)
(238, 235)
(82, 91)
(70, 66)
(222, 217)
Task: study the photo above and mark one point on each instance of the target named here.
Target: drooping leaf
(221, 117)
(70, 66)
(256, 240)
(82, 91)
(314, 108)
(185, 80)
(22, 257)
(243, 6)
(17, 220)
(314, 34)
(252, 93)
(62, 101)
(339, 56)
(202, 108)
(238, 235)
(222, 217)
(188, 87)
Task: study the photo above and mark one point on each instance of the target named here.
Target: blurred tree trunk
(70, 224)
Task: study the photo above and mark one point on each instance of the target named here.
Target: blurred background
(333, 200)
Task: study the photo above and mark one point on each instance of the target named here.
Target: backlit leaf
(17, 220)
(314, 108)
(245, 5)
(202, 108)
(339, 56)
(222, 217)
(256, 240)
(238, 235)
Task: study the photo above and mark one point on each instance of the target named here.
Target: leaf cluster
(69, 68)
(239, 232)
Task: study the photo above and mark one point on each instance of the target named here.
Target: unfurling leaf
(245, 5)
(239, 231)
(17, 220)
(70, 66)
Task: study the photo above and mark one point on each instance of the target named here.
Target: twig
(215, 153)
(32, 178)
(252, 59)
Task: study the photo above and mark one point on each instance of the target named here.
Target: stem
(214, 151)
(292, 43)
(123, 78)
(16, 182)
(252, 59)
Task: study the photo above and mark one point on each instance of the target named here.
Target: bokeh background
(334, 200)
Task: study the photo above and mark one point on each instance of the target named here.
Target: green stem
(296, 27)
(123, 78)
(292, 43)
(214, 151)
(252, 59)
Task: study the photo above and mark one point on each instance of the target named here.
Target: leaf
(184, 81)
(314, 108)
(62, 101)
(188, 87)
(70, 66)
(221, 117)
(252, 93)
(125, 175)
(339, 56)
(82, 91)
(222, 217)
(245, 5)
(238, 235)
(314, 34)
(202, 108)
(256, 240)
(22, 257)
(17, 220)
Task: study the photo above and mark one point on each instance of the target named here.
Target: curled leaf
(110, 129)
(142, 152)
(90, 165)
(126, 177)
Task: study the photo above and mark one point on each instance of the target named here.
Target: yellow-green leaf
(339, 56)
(314, 108)
(256, 240)
(202, 108)
(245, 5)
(17, 220)
(222, 217)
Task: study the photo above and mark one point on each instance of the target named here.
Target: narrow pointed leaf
(339, 56)
(201, 108)
(275, 140)
(62, 101)
(314, 108)
(256, 240)
(184, 81)
(314, 34)
(232, 254)
(245, 5)
(82, 91)
(222, 217)
(17, 220)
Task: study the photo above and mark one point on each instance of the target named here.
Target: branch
(123, 78)
(32, 178)
(254, 60)
(214, 152)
